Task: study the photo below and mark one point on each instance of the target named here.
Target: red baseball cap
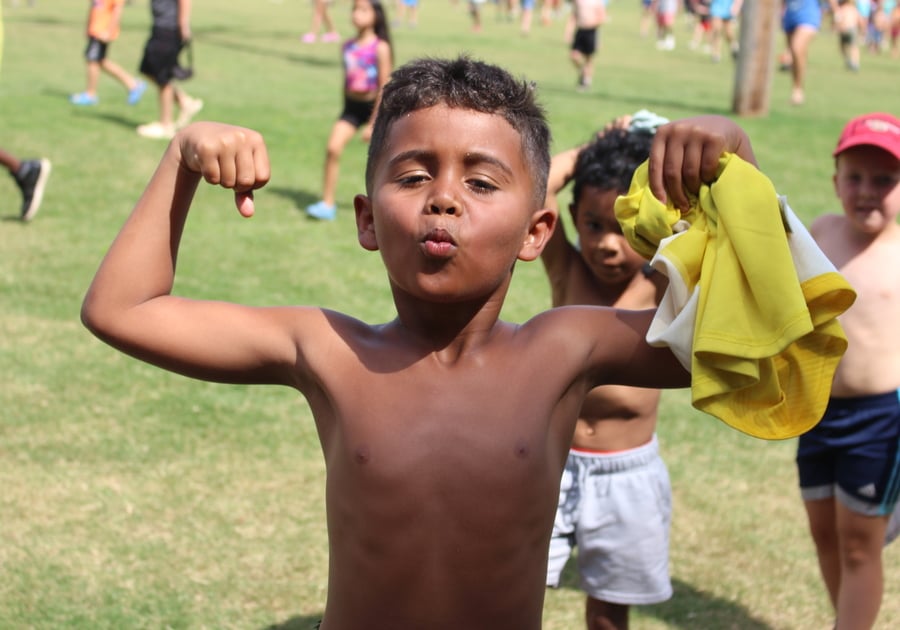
(877, 130)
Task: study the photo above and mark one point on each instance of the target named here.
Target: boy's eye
(482, 186)
(411, 179)
(886, 181)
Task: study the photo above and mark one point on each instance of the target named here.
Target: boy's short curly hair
(466, 84)
(608, 162)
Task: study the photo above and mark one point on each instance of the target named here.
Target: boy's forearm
(562, 168)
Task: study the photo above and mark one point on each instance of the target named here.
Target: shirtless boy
(444, 431)
(615, 497)
(848, 464)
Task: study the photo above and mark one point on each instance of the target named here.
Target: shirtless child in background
(615, 498)
(848, 464)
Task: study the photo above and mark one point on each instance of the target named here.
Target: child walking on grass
(615, 498)
(321, 18)
(849, 465)
(445, 430)
(589, 17)
(170, 32)
(367, 61)
(103, 27)
(29, 175)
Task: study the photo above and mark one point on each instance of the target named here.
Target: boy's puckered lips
(438, 242)
(877, 130)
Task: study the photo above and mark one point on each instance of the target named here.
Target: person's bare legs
(862, 580)
(717, 25)
(849, 547)
(188, 106)
(320, 17)
(341, 133)
(582, 65)
(798, 42)
(600, 615)
(166, 104)
(730, 38)
(93, 78)
(163, 128)
(10, 161)
(114, 70)
(326, 17)
(823, 528)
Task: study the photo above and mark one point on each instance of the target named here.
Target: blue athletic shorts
(852, 454)
(801, 13)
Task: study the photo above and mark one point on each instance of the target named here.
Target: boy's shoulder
(828, 222)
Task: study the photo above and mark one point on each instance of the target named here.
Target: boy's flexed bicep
(129, 303)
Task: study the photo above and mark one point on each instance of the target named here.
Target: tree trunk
(760, 23)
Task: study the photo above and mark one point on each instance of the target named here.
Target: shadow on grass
(125, 122)
(692, 608)
(697, 105)
(300, 622)
(299, 198)
(220, 39)
(689, 608)
(42, 19)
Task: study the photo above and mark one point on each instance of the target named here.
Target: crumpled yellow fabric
(750, 309)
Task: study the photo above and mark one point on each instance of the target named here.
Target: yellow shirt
(750, 310)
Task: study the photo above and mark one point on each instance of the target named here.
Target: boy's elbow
(96, 319)
(90, 317)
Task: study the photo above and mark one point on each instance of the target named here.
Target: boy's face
(867, 181)
(452, 204)
(604, 248)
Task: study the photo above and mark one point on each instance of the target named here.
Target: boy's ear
(543, 222)
(365, 223)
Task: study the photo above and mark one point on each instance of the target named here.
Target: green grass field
(133, 498)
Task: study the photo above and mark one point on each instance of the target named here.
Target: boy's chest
(501, 418)
(581, 287)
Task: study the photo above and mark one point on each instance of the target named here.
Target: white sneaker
(156, 130)
(189, 109)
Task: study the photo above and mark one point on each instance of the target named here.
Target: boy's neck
(448, 329)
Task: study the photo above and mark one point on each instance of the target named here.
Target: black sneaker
(32, 178)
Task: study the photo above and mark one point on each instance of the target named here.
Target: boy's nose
(443, 208)
(609, 243)
(443, 202)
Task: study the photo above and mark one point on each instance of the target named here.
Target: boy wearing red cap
(849, 465)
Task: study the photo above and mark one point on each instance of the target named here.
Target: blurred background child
(104, 19)
(367, 61)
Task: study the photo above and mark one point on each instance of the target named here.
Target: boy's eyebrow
(474, 157)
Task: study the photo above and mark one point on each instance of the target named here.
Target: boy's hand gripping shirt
(751, 307)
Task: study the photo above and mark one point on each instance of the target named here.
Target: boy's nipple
(361, 455)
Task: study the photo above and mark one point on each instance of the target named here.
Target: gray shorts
(616, 509)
